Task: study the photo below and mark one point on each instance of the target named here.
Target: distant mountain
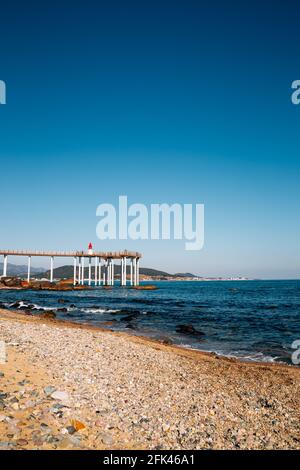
(18, 270)
(66, 272)
(184, 275)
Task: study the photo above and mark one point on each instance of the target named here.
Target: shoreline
(143, 338)
(196, 354)
(118, 391)
(147, 340)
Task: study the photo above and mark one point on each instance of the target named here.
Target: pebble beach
(70, 386)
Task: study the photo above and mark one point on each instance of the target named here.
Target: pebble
(106, 438)
(143, 396)
(22, 442)
(49, 390)
(59, 395)
(70, 429)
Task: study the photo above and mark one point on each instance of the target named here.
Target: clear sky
(164, 101)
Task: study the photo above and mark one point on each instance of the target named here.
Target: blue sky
(164, 102)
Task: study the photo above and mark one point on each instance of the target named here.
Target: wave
(98, 310)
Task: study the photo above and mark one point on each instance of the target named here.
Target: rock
(1, 374)
(22, 442)
(64, 443)
(75, 441)
(145, 287)
(14, 400)
(188, 330)
(106, 438)
(6, 445)
(78, 425)
(71, 429)
(60, 395)
(11, 281)
(62, 309)
(49, 390)
(52, 439)
(45, 428)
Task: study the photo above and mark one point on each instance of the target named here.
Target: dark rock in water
(26, 307)
(129, 317)
(72, 306)
(188, 330)
(131, 326)
(62, 309)
(15, 305)
(49, 314)
(62, 301)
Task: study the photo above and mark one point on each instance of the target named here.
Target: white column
(74, 281)
(82, 271)
(125, 269)
(138, 272)
(112, 272)
(5, 266)
(90, 271)
(51, 269)
(109, 271)
(134, 272)
(99, 271)
(79, 270)
(29, 263)
(121, 273)
(96, 270)
(131, 271)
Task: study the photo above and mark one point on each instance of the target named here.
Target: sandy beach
(69, 386)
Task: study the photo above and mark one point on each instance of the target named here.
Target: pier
(104, 263)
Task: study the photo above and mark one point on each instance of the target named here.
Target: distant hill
(18, 270)
(185, 275)
(65, 272)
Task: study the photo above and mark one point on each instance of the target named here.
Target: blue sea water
(252, 320)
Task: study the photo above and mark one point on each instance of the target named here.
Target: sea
(251, 320)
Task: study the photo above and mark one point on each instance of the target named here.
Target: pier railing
(65, 254)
